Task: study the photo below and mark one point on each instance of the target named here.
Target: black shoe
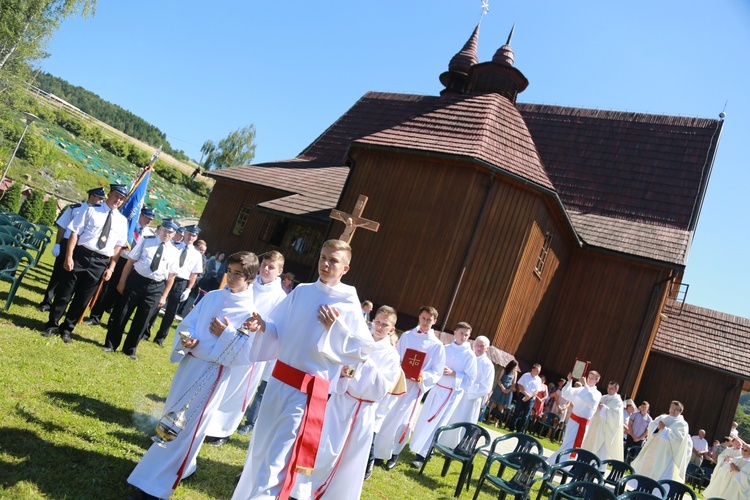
(50, 331)
(214, 441)
(107, 349)
(144, 337)
(237, 478)
(418, 461)
(368, 470)
(379, 461)
(44, 308)
(91, 322)
(66, 337)
(133, 357)
(160, 343)
(391, 463)
(244, 430)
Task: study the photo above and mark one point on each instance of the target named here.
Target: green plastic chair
(47, 230)
(6, 239)
(25, 226)
(13, 231)
(11, 258)
(5, 220)
(37, 241)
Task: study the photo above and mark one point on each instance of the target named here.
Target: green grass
(75, 421)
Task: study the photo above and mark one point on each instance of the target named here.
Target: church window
(239, 224)
(543, 254)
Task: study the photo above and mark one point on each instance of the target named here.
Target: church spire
(498, 76)
(459, 66)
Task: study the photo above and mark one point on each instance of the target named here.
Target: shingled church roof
(707, 337)
(630, 183)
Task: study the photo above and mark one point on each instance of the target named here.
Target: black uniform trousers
(170, 309)
(76, 288)
(58, 271)
(141, 295)
(109, 295)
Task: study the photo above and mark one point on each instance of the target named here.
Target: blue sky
(292, 68)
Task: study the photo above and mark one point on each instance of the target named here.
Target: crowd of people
(340, 391)
(660, 448)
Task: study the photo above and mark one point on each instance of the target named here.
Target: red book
(413, 363)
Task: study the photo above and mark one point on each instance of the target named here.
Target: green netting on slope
(167, 199)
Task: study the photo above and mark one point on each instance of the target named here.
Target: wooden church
(557, 232)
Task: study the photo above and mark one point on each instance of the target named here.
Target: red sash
(447, 398)
(305, 446)
(408, 422)
(583, 423)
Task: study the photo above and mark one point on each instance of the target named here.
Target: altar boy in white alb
(243, 379)
(315, 331)
(200, 379)
(458, 374)
(585, 401)
(350, 418)
(396, 428)
(604, 437)
(470, 406)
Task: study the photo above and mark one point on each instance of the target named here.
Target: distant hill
(111, 114)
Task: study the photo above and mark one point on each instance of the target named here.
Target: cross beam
(354, 220)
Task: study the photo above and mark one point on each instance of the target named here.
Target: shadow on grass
(22, 321)
(60, 471)
(94, 408)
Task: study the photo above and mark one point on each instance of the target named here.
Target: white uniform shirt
(143, 254)
(88, 224)
(193, 262)
(68, 215)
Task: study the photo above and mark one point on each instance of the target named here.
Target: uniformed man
(145, 284)
(109, 295)
(97, 236)
(96, 196)
(190, 266)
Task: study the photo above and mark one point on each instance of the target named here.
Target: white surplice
(666, 452)
(445, 396)
(243, 380)
(394, 433)
(348, 428)
(295, 337)
(201, 380)
(470, 406)
(722, 473)
(604, 436)
(585, 400)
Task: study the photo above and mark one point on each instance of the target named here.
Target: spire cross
(354, 220)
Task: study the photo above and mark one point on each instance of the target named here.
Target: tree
(33, 205)
(27, 25)
(207, 151)
(11, 201)
(238, 148)
(49, 212)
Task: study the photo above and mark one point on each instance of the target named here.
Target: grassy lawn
(75, 421)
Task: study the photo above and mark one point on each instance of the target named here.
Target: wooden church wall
(426, 212)
(599, 314)
(220, 215)
(709, 397)
(532, 293)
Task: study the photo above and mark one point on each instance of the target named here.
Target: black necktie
(104, 235)
(183, 256)
(157, 257)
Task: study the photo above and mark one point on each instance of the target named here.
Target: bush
(115, 146)
(11, 202)
(170, 174)
(49, 212)
(138, 157)
(33, 206)
(199, 188)
(72, 125)
(35, 150)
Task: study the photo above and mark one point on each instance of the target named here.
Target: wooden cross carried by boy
(354, 220)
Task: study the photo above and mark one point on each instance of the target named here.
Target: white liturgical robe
(244, 379)
(585, 400)
(604, 437)
(666, 452)
(199, 380)
(295, 337)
